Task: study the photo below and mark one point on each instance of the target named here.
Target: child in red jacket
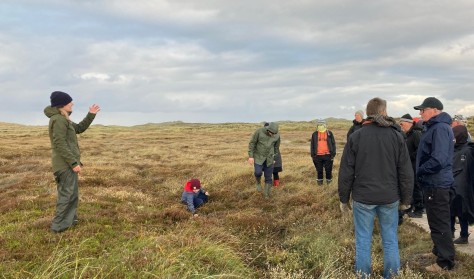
(193, 195)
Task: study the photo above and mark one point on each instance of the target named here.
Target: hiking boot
(461, 240)
(415, 214)
(267, 190)
(276, 182)
(320, 182)
(434, 268)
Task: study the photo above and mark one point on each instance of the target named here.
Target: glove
(404, 207)
(344, 207)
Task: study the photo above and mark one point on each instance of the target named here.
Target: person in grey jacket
(263, 147)
(375, 168)
(66, 156)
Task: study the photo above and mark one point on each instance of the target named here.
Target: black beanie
(60, 99)
(406, 118)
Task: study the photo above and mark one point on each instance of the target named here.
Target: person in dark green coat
(264, 146)
(66, 157)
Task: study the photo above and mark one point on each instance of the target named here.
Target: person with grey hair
(356, 123)
(66, 156)
(412, 139)
(376, 170)
(434, 172)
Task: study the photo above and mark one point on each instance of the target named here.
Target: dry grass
(133, 226)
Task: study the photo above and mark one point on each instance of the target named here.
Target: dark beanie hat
(60, 99)
(406, 118)
(195, 184)
(460, 134)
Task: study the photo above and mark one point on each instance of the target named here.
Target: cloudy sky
(233, 61)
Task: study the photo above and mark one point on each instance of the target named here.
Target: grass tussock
(132, 224)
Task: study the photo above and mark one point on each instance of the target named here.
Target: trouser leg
(438, 214)
(328, 167)
(67, 201)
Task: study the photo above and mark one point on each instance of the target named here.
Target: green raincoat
(62, 133)
(263, 147)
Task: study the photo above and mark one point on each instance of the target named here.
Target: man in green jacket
(66, 156)
(264, 146)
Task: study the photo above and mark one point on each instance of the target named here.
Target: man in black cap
(434, 172)
(412, 139)
(66, 157)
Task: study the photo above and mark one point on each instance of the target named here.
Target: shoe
(415, 214)
(276, 182)
(320, 182)
(434, 268)
(461, 240)
(259, 187)
(328, 181)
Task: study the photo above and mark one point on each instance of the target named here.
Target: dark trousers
(200, 199)
(438, 213)
(418, 204)
(456, 210)
(276, 176)
(264, 169)
(323, 162)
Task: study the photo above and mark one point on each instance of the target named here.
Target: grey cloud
(221, 61)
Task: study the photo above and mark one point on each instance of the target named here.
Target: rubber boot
(276, 182)
(267, 190)
(258, 184)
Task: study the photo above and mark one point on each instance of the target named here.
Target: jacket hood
(273, 127)
(49, 111)
(440, 118)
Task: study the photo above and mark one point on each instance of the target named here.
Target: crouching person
(193, 195)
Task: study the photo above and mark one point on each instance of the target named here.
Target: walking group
(387, 170)
(390, 170)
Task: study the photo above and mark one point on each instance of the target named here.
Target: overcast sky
(233, 61)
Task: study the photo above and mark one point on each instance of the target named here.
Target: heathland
(133, 226)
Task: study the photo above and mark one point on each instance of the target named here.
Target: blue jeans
(364, 215)
(264, 169)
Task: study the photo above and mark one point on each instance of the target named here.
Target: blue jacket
(434, 159)
(194, 200)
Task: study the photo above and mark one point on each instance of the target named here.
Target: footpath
(464, 248)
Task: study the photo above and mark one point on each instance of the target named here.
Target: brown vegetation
(133, 226)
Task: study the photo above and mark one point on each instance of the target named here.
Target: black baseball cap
(430, 102)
